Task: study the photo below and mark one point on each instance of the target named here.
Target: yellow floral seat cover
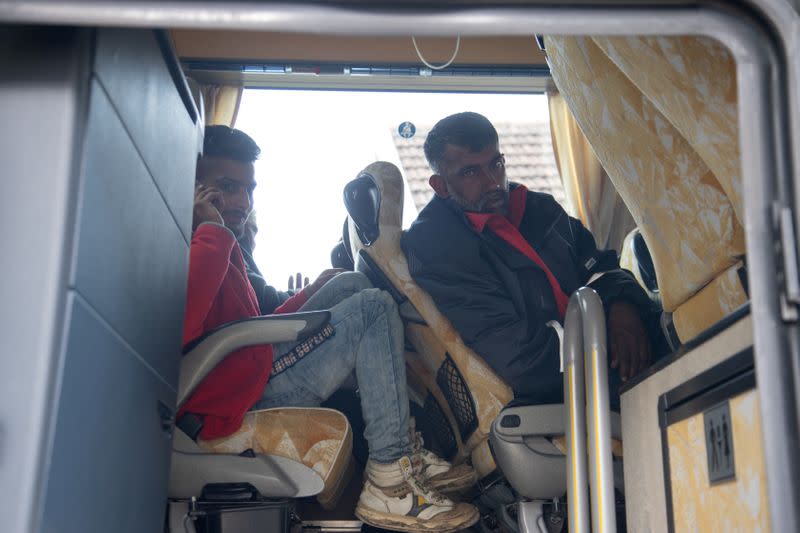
(319, 438)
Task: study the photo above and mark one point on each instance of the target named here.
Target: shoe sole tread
(411, 524)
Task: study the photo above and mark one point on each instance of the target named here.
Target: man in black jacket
(501, 261)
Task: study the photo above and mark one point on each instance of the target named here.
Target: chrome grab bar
(584, 354)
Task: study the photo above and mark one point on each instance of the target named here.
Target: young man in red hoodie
(365, 336)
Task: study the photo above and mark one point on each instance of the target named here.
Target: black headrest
(341, 256)
(645, 262)
(362, 199)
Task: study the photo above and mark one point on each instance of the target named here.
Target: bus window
(314, 142)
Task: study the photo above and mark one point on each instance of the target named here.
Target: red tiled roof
(529, 160)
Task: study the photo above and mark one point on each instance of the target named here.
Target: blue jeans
(369, 340)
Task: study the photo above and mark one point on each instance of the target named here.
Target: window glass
(314, 142)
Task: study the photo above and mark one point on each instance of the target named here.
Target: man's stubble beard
(480, 205)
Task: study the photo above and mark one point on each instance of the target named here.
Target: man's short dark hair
(228, 143)
(468, 130)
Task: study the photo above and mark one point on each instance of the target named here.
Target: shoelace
(428, 493)
(417, 442)
(416, 480)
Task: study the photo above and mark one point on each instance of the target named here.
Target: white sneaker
(408, 504)
(439, 474)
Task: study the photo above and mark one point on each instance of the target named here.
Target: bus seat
(319, 438)
(474, 394)
(529, 443)
(723, 295)
(524, 439)
(673, 156)
(692, 82)
(281, 452)
(635, 257)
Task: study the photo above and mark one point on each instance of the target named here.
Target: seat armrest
(525, 421)
(217, 344)
(530, 421)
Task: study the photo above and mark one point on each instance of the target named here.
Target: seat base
(527, 441)
(272, 516)
(269, 516)
(530, 517)
(328, 526)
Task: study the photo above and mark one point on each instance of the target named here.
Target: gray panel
(42, 101)
(131, 67)
(132, 259)
(110, 456)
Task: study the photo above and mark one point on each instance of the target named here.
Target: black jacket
(499, 300)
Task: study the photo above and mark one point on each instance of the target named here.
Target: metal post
(575, 423)
(598, 411)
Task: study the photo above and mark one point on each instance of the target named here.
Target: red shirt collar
(516, 209)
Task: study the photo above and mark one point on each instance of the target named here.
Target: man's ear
(438, 184)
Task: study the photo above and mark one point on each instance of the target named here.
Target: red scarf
(507, 228)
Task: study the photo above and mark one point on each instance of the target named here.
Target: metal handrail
(585, 333)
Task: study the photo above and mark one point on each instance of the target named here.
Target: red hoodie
(219, 292)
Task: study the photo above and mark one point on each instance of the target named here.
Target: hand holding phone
(208, 202)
